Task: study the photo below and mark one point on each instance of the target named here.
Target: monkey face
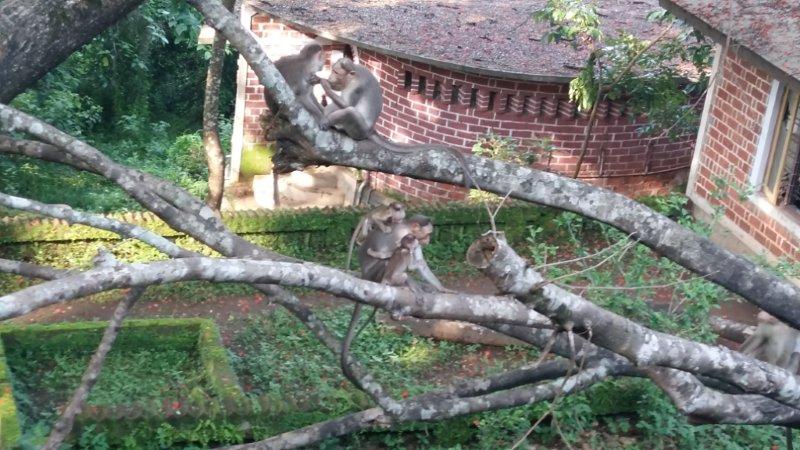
(338, 78)
(422, 233)
(409, 242)
(398, 212)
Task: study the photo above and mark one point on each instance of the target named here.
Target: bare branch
(430, 409)
(95, 220)
(40, 150)
(709, 406)
(473, 308)
(32, 270)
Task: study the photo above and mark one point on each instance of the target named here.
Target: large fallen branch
(472, 308)
(642, 346)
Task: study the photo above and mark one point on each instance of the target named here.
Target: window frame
(789, 99)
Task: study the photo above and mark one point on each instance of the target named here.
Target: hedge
(201, 335)
(319, 235)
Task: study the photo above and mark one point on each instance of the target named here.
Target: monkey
(400, 261)
(375, 255)
(381, 217)
(774, 342)
(378, 247)
(356, 110)
(394, 274)
(299, 71)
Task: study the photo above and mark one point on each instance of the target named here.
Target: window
(780, 182)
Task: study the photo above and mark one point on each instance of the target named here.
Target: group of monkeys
(354, 110)
(390, 244)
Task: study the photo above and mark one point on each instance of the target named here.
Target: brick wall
(426, 104)
(734, 126)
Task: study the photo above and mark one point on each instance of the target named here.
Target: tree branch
(32, 270)
(473, 308)
(641, 345)
(97, 221)
(706, 405)
(430, 409)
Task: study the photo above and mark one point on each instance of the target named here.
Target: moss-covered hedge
(10, 430)
(314, 234)
(200, 335)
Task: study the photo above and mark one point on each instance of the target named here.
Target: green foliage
(161, 366)
(649, 77)
(503, 148)
(573, 21)
(135, 92)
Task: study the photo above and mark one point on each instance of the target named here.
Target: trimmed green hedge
(319, 235)
(199, 335)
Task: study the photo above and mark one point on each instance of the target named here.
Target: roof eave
(718, 36)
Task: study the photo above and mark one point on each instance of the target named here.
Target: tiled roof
(492, 37)
(769, 28)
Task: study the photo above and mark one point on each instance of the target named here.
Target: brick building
(453, 71)
(749, 135)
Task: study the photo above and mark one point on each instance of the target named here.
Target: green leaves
(573, 21)
(660, 80)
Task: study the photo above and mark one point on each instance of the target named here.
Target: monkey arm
(753, 342)
(335, 98)
(418, 263)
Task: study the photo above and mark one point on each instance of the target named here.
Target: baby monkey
(400, 261)
(394, 275)
(382, 218)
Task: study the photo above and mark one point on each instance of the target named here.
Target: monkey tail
(353, 243)
(347, 342)
(469, 181)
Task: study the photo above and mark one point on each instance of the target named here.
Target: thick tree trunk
(37, 35)
(214, 156)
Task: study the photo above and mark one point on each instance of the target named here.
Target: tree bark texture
(215, 159)
(37, 35)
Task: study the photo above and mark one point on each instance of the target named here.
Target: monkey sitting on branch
(300, 73)
(356, 110)
(381, 217)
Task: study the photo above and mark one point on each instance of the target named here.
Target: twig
(581, 258)
(593, 115)
(633, 288)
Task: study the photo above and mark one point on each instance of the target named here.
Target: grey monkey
(299, 71)
(356, 110)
